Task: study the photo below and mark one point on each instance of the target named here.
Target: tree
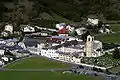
(19, 12)
(54, 33)
(84, 36)
(75, 33)
(116, 53)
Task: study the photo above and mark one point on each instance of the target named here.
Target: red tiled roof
(63, 31)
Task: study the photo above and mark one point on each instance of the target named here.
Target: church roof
(63, 31)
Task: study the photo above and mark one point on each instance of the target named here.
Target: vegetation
(23, 11)
(115, 27)
(39, 64)
(115, 69)
(109, 38)
(103, 61)
(116, 53)
(84, 36)
(44, 76)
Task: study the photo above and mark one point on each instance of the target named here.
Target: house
(60, 26)
(11, 42)
(7, 58)
(81, 30)
(68, 57)
(50, 53)
(105, 31)
(63, 32)
(2, 51)
(63, 29)
(9, 28)
(4, 58)
(59, 38)
(32, 45)
(27, 28)
(43, 33)
(92, 21)
(1, 63)
(5, 33)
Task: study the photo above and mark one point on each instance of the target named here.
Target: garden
(106, 61)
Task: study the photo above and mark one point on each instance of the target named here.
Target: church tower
(89, 46)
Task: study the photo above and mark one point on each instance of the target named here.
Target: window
(88, 39)
(92, 39)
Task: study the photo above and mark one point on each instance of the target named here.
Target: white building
(9, 28)
(70, 49)
(6, 59)
(33, 45)
(1, 63)
(81, 30)
(50, 53)
(5, 33)
(106, 31)
(27, 28)
(44, 34)
(60, 26)
(93, 47)
(92, 22)
(2, 52)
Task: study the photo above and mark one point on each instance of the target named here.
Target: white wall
(51, 53)
(9, 28)
(2, 52)
(28, 29)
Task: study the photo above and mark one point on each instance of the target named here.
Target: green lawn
(43, 76)
(113, 37)
(116, 69)
(115, 27)
(109, 38)
(37, 63)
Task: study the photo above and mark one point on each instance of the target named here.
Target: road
(52, 69)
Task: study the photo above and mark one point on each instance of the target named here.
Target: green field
(109, 38)
(41, 63)
(43, 76)
(115, 69)
(115, 27)
(37, 63)
(113, 37)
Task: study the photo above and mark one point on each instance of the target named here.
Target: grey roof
(69, 44)
(23, 51)
(31, 42)
(74, 47)
(16, 47)
(63, 53)
(72, 54)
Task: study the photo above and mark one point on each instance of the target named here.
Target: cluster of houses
(10, 50)
(61, 47)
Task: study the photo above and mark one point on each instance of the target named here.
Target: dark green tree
(84, 36)
(116, 53)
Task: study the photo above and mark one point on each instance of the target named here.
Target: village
(61, 43)
(54, 43)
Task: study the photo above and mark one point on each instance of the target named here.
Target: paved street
(56, 69)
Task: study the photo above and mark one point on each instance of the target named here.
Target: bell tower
(89, 46)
